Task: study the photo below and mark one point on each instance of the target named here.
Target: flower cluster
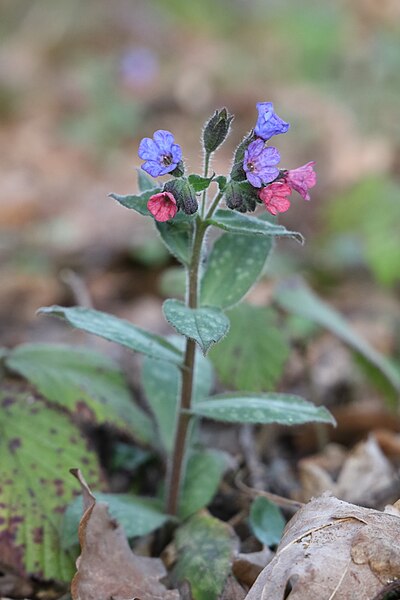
(258, 166)
(260, 163)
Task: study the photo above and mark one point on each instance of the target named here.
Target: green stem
(177, 466)
(207, 157)
(213, 206)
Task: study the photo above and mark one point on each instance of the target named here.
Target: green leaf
(203, 475)
(161, 382)
(116, 330)
(234, 265)
(136, 202)
(296, 297)
(285, 409)
(145, 182)
(221, 180)
(205, 547)
(199, 183)
(266, 521)
(84, 382)
(205, 325)
(38, 445)
(177, 236)
(255, 361)
(138, 516)
(235, 222)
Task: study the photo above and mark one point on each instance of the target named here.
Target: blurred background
(82, 82)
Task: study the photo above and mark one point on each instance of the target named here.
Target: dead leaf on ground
(107, 568)
(345, 550)
(365, 476)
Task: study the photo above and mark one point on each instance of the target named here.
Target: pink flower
(275, 198)
(301, 179)
(162, 206)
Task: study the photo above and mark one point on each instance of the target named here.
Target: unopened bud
(216, 130)
(183, 193)
(241, 196)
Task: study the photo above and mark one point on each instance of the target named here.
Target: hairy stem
(207, 157)
(177, 466)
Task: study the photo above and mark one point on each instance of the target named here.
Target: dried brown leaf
(364, 476)
(107, 568)
(345, 550)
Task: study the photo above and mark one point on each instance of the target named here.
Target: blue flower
(160, 154)
(259, 163)
(268, 122)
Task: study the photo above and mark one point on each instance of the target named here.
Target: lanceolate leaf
(145, 182)
(161, 383)
(205, 547)
(235, 263)
(116, 330)
(85, 382)
(205, 325)
(296, 297)
(38, 445)
(254, 352)
(203, 475)
(136, 202)
(235, 222)
(285, 409)
(177, 236)
(138, 516)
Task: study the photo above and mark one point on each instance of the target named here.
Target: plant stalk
(177, 466)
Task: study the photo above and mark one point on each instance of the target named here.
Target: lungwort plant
(47, 392)
(185, 208)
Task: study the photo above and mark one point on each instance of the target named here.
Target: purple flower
(259, 163)
(268, 122)
(160, 154)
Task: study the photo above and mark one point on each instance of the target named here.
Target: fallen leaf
(361, 477)
(345, 550)
(107, 567)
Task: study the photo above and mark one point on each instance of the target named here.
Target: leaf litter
(334, 548)
(107, 567)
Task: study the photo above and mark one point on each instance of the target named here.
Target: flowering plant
(219, 275)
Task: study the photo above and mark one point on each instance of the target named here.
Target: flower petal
(153, 168)
(164, 140)
(148, 149)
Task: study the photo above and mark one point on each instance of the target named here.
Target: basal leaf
(116, 330)
(235, 222)
(285, 409)
(138, 516)
(206, 325)
(203, 475)
(38, 446)
(234, 265)
(86, 382)
(266, 521)
(136, 202)
(205, 547)
(296, 297)
(161, 382)
(252, 356)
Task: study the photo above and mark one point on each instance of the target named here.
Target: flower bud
(241, 196)
(183, 193)
(179, 169)
(216, 130)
